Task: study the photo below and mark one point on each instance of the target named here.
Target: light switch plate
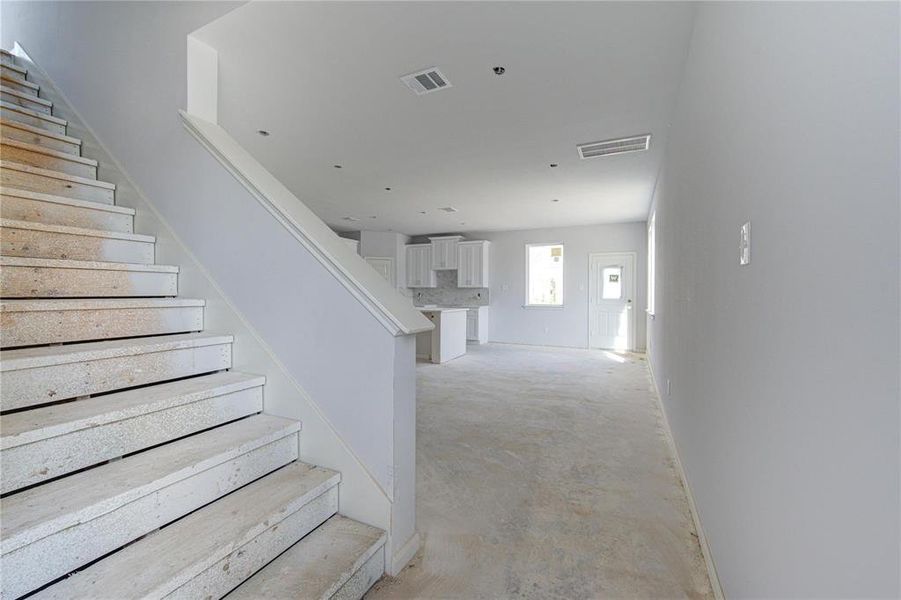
(744, 245)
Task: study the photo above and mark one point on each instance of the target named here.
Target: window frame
(652, 265)
(528, 277)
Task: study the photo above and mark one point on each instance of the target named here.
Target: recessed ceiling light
(350, 219)
(499, 70)
(554, 165)
(448, 209)
(338, 166)
(263, 132)
(555, 200)
(422, 212)
(373, 217)
(387, 189)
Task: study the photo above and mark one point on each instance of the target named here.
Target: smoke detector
(618, 146)
(426, 81)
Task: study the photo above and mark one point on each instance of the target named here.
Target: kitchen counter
(448, 340)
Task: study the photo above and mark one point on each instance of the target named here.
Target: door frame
(632, 290)
(392, 271)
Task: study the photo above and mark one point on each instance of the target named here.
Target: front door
(611, 290)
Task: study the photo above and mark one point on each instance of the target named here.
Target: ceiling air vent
(427, 81)
(620, 146)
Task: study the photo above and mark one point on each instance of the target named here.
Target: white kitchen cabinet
(472, 264)
(444, 252)
(419, 266)
(477, 324)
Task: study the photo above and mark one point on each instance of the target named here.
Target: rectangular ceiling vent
(619, 146)
(427, 81)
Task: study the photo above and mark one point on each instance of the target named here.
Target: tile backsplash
(448, 294)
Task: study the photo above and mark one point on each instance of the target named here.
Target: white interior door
(611, 293)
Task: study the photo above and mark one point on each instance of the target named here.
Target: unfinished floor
(545, 473)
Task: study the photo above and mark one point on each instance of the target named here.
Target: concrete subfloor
(545, 473)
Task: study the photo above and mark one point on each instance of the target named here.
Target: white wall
(785, 394)
(511, 323)
(123, 67)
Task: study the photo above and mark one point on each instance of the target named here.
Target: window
(613, 285)
(652, 262)
(544, 275)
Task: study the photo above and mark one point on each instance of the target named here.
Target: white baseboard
(702, 539)
(402, 557)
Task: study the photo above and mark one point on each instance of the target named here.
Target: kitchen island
(448, 340)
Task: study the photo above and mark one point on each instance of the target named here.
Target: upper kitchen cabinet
(472, 264)
(419, 266)
(444, 252)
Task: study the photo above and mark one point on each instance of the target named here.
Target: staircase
(135, 462)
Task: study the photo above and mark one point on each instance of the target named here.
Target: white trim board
(692, 508)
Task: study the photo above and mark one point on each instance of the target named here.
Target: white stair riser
(39, 385)
(32, 463)
(46, 141)
(27, 156)
(31, 328)
(12, 73)
(52, 244)
(53, 282)
(360, 582)
(40, 562)
(19, 86)
(29, 103)
(44, 184)
(52, 213)
(33, 120)
(225, 574)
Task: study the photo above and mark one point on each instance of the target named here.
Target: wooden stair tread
(37, 512)
(29, 358)
(33, 113)
(28, 194)
(27, 427)
(42, 305)
(62, 263)
(82, 231)
(29, 97)
(22, 82)
(5, 164)
(316, 566)
(4, 123)
(49, 152)
(16, 68)
(162, 562)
